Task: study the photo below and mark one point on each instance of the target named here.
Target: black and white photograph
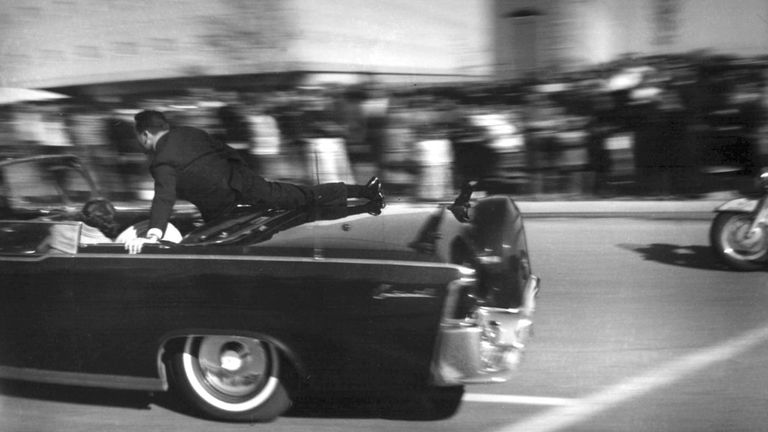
(383, 215)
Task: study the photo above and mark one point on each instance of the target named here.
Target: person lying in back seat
(99, 226)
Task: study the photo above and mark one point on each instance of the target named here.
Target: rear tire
(230, 378)
(729, 241)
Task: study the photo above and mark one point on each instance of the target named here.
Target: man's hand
(134, 246)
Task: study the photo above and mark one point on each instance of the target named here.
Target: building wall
(739, 26)
(394, 36)
(63, 42)
(579, 33)
(49, 43)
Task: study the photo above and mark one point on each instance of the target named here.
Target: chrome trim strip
(120, 382)
(462, 269)
(34, 258)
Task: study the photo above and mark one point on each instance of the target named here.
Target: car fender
(738, 205)
(498, 239)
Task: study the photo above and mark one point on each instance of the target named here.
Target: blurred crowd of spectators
(670, 125)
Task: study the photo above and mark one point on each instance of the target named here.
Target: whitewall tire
(230, 378)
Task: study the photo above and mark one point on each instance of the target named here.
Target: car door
(35, 298)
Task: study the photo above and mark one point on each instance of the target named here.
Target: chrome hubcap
(741, 242)
(233, 367)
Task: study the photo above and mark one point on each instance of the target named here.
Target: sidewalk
(700, 208)
(693, 209)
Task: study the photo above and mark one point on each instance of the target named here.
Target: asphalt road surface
(638, 328)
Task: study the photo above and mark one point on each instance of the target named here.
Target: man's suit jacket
(189, 164)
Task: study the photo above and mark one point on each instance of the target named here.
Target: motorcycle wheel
(730, 240)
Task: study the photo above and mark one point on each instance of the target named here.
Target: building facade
(537, 35)
(54, 43)
(59, 43)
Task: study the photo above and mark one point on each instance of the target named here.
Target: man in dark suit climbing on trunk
(187, 163)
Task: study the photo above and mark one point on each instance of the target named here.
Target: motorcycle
(739, 231)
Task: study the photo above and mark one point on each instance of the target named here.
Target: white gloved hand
(134, 246)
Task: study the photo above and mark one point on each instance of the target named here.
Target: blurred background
(539, 99)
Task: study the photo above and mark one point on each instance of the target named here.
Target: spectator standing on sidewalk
(599, 127)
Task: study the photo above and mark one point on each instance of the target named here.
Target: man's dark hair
(152, 121)
(100, 213)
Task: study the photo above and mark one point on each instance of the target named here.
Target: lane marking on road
(562, 417)
(517, 399)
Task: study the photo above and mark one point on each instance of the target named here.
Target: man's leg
(256, 190)
(370, 191)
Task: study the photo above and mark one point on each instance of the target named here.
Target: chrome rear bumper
(487, 347)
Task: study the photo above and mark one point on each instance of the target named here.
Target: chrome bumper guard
(487, 347)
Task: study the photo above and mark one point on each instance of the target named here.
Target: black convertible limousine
(245, 315)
